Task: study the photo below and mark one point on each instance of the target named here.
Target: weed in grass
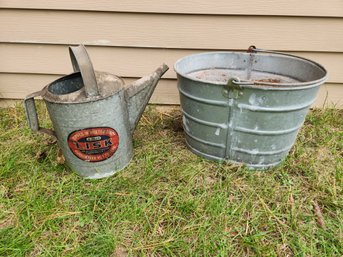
(168, 201)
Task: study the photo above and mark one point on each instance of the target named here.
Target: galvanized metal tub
(246, 107)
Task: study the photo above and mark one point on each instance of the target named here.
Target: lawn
(168, 201)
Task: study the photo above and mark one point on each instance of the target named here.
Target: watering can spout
(139, 92)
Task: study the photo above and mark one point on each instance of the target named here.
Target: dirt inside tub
(223, 75)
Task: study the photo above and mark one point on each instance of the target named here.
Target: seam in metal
(270, 109)
(229, 139)
(265, 132)
(262, 153)
(262, 166)
(249, 165)
(196, 151)
(203, 100)
(204, 141)
(207, 123)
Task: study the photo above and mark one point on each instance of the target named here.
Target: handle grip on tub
(82, 63)
(32, 116)
(233, 88)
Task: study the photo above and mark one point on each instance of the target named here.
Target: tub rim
(255, 84)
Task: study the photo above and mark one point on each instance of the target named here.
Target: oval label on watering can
(93, 144)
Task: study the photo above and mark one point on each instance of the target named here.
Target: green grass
(168, 201)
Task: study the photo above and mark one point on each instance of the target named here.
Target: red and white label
(94, 144)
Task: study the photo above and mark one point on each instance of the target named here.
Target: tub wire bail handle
(82, 63)
(254, 49)
(32, 116)
(233, 88)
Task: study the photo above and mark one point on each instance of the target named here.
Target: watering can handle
(32, 116)
(82, 63)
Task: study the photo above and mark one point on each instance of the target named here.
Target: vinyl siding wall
(131, 38)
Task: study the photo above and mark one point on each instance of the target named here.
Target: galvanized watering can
(93, 115)
(246, 107)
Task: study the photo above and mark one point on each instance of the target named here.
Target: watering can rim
(102, 80)
(94, 85)
(47, 95)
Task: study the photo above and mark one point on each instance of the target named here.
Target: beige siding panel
(20, 85)
(16, 86)
(171, 31)
(126, 62)
(242, 7)
(4, 103)
(330, 95)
